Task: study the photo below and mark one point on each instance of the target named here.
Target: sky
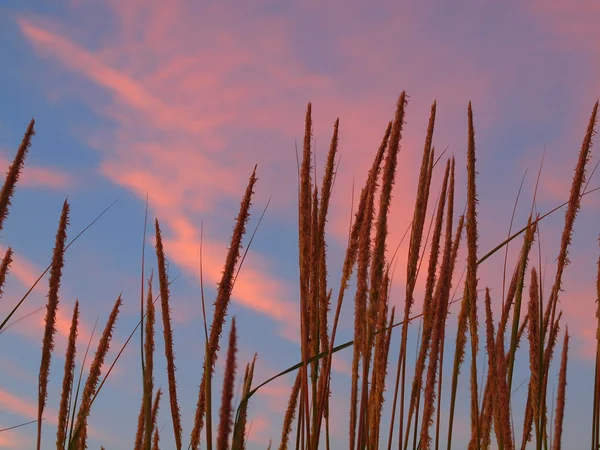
(179, 101)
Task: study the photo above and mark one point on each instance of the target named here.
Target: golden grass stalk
(486, 415)
(155, 406)
(148, 367)
(75, 397)
(471, 281)
(416, 236)
(428, 318)
(518, 296)
(304, 246)
(429, 394)
(155, 440)
(527, 421)
(313, 307)
(319, 286)
(492, 374)
(225, 420)
(289, 414)
(349, 261)
(67, 384)
(377, 296)
(360, 313)
(498, 393)
(221, 304)
(146, 399)
(168, 335)
(141, 439)
(379, 374)
(79, 438)
(57, 265)
(535, 363)
(139, 434)
(561, 395)
(571, 213)
(596, 403)
(548, 355)
(14, 171)
(326, 189)
(240, 432)
(381, 226)
(446, 273)
(439, 313)
(502, 402)
(468, 308)
(6, 262)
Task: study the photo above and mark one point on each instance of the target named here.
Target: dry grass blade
(30, 422)
(67, 384)
(225, 420)
(221, 304)
(168, 335)
(14, 171)
(51, 308)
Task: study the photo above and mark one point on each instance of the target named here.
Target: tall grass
(491, 415)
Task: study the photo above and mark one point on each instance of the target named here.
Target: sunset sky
(179, 100)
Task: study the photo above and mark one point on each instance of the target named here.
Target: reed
(67, 384)
(225, 416)
(14, 172)
(491, 415)
(168, 335)
(57, 265)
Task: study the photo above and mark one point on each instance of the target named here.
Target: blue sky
(180, 102)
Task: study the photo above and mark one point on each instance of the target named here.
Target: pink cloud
(28, 409)
(12, 439)
(258, 429)
(36, 176)
(17, 405)
(191, 103)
